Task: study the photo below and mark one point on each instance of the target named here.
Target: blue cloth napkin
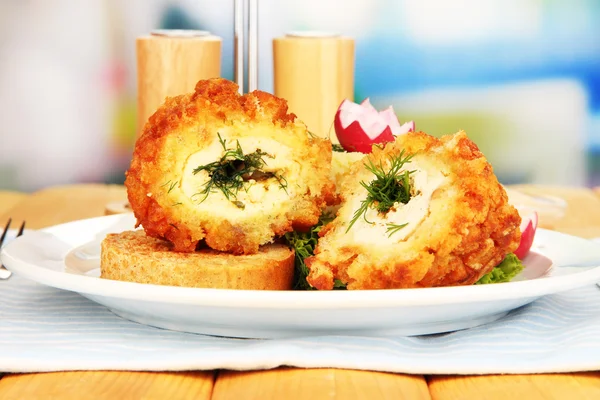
(46, 329)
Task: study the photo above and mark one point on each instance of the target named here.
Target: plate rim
(292, 299)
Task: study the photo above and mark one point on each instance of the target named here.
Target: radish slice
(366, 103)
(359, 126)
(528, 228)
(405, 128)
(389, 116)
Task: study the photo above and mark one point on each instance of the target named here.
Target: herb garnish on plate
(231, 172)
(510, 267)
(389, 187)
(304, 244)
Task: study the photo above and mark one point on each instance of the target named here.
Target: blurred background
(522, 77)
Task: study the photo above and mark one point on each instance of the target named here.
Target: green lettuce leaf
(304, 244)
(510, 267)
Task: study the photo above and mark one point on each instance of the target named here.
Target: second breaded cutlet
(456, 226)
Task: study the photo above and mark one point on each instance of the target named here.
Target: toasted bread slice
(135, 257)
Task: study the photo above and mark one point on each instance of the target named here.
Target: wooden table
(63, 204)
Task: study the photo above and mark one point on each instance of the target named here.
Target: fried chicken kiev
(234, 171)
(419, 212)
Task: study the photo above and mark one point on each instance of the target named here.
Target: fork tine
(5, 231)
(21, 229)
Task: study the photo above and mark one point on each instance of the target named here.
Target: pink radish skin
(359, 126)
(354, 139)
(528, 228)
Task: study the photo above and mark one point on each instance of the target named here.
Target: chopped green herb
(304, 244)
(338, 148)
(171, 185)
(388, 188)
(239, 204)
(510, 267)
(231, 172)
(393, 228)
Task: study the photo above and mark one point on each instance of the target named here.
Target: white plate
(559, 262)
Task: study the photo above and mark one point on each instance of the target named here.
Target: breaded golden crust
(133, 256)
(166, 193)
(340, 164)
(459, 222)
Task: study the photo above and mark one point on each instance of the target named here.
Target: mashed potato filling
(424, 182)
(255, 195)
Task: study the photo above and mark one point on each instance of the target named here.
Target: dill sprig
(230, 173)
(171, 185)
(393, 228)
(390, 186)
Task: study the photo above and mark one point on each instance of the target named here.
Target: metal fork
(4, 273)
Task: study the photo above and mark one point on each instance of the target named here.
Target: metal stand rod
(238, 43)
(252, 45)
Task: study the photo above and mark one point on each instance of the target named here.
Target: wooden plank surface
(317, 384)
(580, 386)
(63, 204)
(108, 385)
(9, 199)
(60, 204)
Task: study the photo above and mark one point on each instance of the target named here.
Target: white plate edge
(298, 299)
